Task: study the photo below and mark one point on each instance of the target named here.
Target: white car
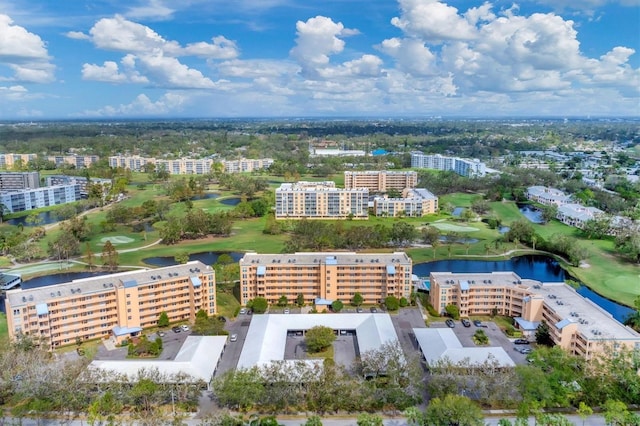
(243, 311)
(233, 338)
(184, 327)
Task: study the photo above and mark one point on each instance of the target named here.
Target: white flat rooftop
(267, 335)
(442, 343)
(198, 357)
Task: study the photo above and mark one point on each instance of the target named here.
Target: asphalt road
(229, 358)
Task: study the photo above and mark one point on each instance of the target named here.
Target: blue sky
(78, 59)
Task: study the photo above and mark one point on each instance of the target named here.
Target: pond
(45, 218)
(503, 229)
(207, 196)
(233, 201)
(445, 239)
(208, 258)
(540, 268)
(457, 211)
(533, 214)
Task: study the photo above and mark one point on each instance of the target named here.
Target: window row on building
(327, 276)
(10, 161)
(188, 166)
(320, 200)
(462, 166)
(380, 181)
(28, 199)
(415, 202)
(574, 323)
(116, 305)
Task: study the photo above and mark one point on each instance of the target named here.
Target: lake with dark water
(233, 201)
(44, 218)
(533, 214)
(208, 258)
(540, 268)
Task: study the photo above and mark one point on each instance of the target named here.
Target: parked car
(479, 323)
(184, 327)
(359, 310)
(161, 333)
(450, 323)
(243, 311)
(287, 311)
(466, 322)
(525, 350)
(222, 319)
(373, 309)
(176, 329)
(521, 342)
(233, 338)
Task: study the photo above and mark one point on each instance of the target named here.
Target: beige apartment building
(9, 161)
(575, 323)
(116, 306)
(246, 165)
(380, 181)
(78, 161)
(325, 275)
(415, 202)
(320, 200)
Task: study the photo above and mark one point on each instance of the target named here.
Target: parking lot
(496, 338)
(171, 343)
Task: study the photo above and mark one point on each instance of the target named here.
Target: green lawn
(4, 331)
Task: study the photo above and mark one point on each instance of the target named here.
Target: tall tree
(110, 256)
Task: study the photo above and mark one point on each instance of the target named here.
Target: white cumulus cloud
(25, 53)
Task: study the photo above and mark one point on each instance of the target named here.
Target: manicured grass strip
(4, 331)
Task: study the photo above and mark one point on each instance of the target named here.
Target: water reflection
(533, 214)
(233, 201)
(208, 258)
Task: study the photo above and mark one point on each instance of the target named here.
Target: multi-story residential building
(185, 166)
(547, 196)
(246, 165)
(28, 199)
(9, 161)
(114, 306)
(462, 166)
(320, 200)
(78, 161)
(15, 181)
(326, 276)
(135, 163)
(380, 181)
(415, 202)
(577, 215)
(575, 323)
(54, 180)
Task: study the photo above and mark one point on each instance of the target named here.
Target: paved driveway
(496, 338)
(231, 354)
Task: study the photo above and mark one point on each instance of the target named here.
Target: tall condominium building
(135, 163)
(78, 161)
(462, 166)
(327, 276)
(575, 323)
(9, 161)
(54, 180)
(320, 200)
(415, 202)
(28, 199)
(380, 181)
(182, 166)
(114, 306)
(246, 165)
(15, 181)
